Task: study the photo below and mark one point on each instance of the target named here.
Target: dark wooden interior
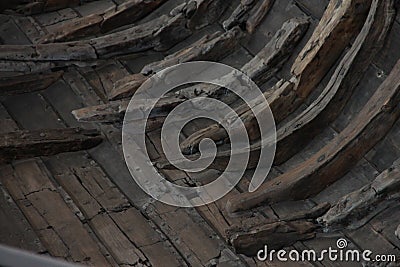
(330, 70)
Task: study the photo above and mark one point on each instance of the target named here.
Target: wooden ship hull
(330, 70)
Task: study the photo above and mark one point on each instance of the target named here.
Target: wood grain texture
(27, 144)
(28, 83)
(126, 13)
(336, 158)
(357, 208)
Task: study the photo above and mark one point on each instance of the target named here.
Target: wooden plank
(328, 42)
(126, 13)
(357, 208)
(28, 144)
(52, 207)
(122, 250)
(211, 47)
(338, 157)
(277, 235)
(295, 134)
(16, 231)
(28, 83)
(260, 69)
(45, 209)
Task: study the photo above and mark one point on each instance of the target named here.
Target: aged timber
(27, 144)
(28, 83)
(336, 158)
(357, 208)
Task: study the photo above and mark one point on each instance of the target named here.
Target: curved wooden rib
(211, 47)
(357, 208)
(257, 14)
(397, 233)
(341, 22)
(28, 144)
(126, 13)
(159, 34)
(295, 134)
(336, 158)
(263, 66)
(250, 13)
(328, 38)
(277, 235)
(114, 111)
(248, 239)
(260, 68)
(28, 83)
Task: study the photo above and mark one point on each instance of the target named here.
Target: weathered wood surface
(276, 235)
(257, 14)
(110, 112)
(263, 66)
(267, 62)
(295, 134)
(126, 13)
(248, 14)
(328, 42)
(357, 208)
(114, 111)
(159, 34)
(211, 47)
(40, 6)
(27, 144)
(336, 158)
(28, 83)
(56, 224)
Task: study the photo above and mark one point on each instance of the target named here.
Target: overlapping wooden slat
(338, 157)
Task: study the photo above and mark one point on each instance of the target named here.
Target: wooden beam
(126, 13)
(276, 235)
(28, 83)
(257, 14)
(114, 111)
(341, 22)
(261, 68)
(296, 133)
(357, 208)
(249, 13)
(159, 34)
(335, 159)
(211, 47)
(28, 144)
